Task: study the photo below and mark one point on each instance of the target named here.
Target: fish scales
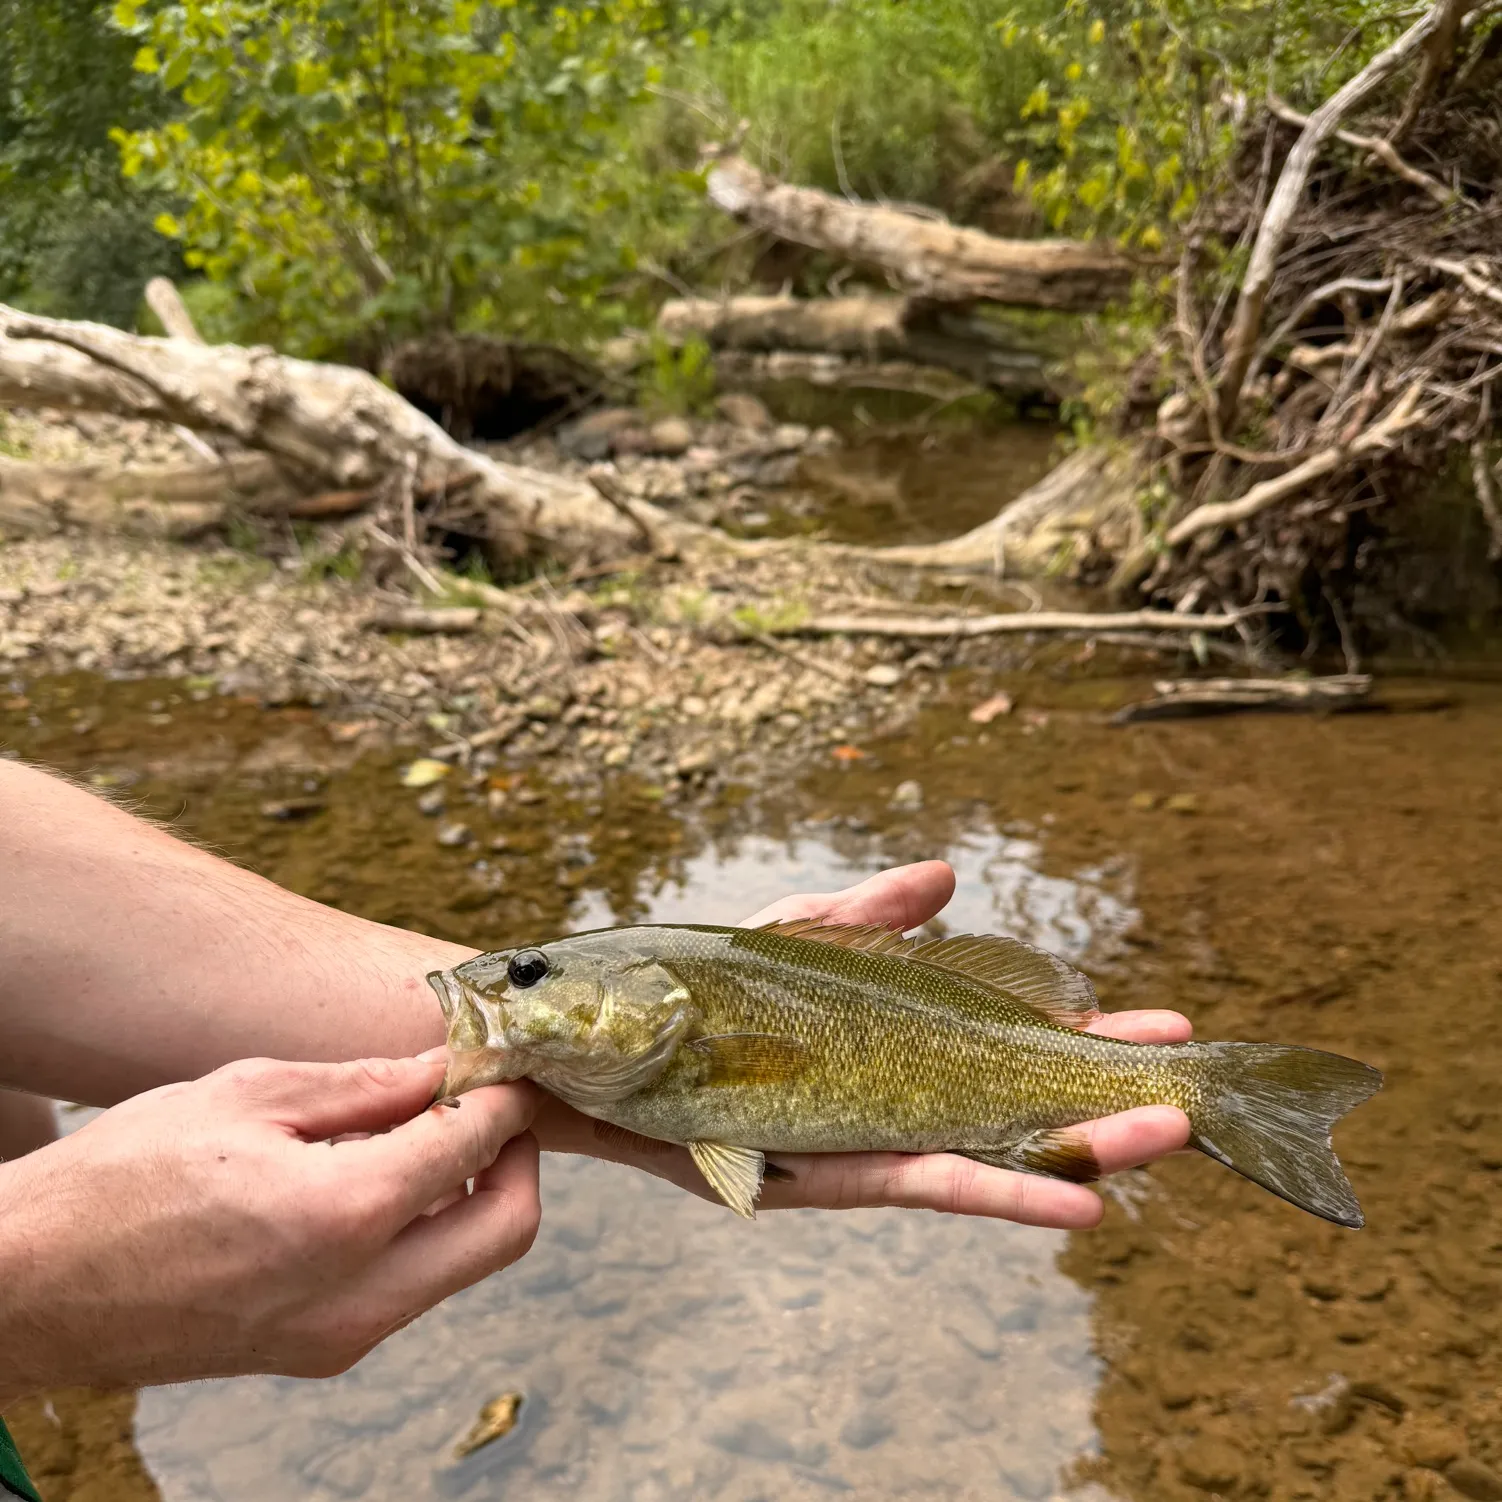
(804, 1037)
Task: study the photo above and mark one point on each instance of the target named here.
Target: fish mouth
(474, 1058)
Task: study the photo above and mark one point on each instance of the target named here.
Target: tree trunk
(327, 427)
(867, 329)
(178, 501)
(928, 258)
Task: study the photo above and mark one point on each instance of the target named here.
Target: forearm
(129, 959)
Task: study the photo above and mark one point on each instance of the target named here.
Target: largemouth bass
(808, 1037)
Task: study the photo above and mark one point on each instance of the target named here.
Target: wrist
(23, 1345)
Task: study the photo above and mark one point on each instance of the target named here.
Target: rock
(867, 1427)
(287, 810)
(617, 756)
(527, 796)
(669, 436)
(1471, 1478)
(1210, 1464)
(430, 805)
(593, 437)
(790, 435)
(908, 796)
(883, 675)
(543, 707)
(453, 835)
(1428, 1440)
(693, 762)
(742, 410)
(693, 706)
(1182, 803)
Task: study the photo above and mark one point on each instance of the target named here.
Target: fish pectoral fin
(1059, 1154)
(750, 1058)
(734, 1173)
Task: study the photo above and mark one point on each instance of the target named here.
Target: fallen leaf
(351, 730)
(16, 704)
(497, 1418)
(424, 772)
(848, 753)
(988, 709)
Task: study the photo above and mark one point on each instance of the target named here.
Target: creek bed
(1327, 882)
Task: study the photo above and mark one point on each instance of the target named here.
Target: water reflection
(667, 1350)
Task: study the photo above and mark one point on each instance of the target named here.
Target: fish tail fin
(1267, 1110)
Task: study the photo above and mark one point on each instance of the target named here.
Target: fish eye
(527, 967)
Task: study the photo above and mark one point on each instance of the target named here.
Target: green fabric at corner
(14, 1481)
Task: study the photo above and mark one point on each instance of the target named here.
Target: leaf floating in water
(424, 772)
(848, 753)
(988, 709)
(497, 1418)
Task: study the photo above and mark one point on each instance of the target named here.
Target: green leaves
(389, 166)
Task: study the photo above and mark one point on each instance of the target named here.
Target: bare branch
(1246, 324)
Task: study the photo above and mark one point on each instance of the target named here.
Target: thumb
(327, 1100)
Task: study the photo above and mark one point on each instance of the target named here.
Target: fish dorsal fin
(1041, 981)
(875, 938)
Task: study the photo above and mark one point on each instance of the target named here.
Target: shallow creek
(1328, 882)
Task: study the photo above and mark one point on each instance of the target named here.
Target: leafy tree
(398, 165)
(74, 238)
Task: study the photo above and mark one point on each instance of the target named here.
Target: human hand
(903, 898)
(268, 1217)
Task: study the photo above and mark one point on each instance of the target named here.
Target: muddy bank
(79, 1446)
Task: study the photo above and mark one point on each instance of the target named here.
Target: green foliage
(75, 239)
(396, 165)
(679, 381)
(907, 98)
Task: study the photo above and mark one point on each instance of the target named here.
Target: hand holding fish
(220, 1227)
(904, 898)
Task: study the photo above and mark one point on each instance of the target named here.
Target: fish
(803, 1036)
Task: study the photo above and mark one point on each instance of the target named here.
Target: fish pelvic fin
(1058, 1154)
(1267, 1110)
(734, 1173)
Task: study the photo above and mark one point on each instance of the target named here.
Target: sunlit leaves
(387, 166)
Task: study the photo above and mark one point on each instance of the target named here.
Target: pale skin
(237, 1214)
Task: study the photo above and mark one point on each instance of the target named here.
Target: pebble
(1471, 1478)
(451, 835)
(1210, 1464)
(430, 805)
(908, 796)
(1182, 803)
(287, 810)
(883, 675)
(1426, 1440)
(669, 436)
(743, 410)
(1143, 803)
(693, 706)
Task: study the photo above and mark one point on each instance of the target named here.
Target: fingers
(441, 1253)
(412, 1167)
(1143, 1027)
(327, 1100)
(1132, 1138)
(901, 898)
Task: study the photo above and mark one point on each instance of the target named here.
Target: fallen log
(964, 627)
(175, 501)
(1180, 698)
(327, 427)
(869, 329)
(419, 620)
(928, 257)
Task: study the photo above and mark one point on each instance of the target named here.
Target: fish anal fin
(734, 1173)
(625, 1140)
(1057, 1154)
(750, 1058)
(1041, 981)
(874, 938)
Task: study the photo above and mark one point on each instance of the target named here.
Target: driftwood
(868, 329)
(927, 257)
(739, 368)
(1180, 698)
(179, 501)
(326, 427)
(418, 620)
(964, 627)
